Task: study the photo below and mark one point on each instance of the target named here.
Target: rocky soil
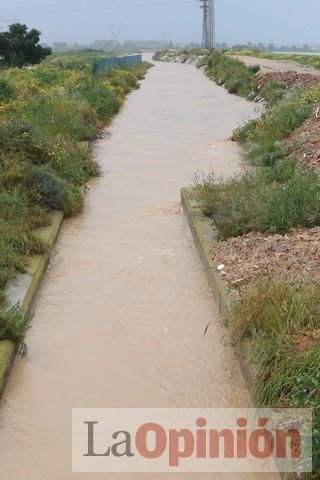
(175, 56)
(305, 142)
(241, 260)
(291, 79)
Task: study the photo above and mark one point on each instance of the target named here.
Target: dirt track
(276, 65)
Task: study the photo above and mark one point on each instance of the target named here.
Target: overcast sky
(238, 21)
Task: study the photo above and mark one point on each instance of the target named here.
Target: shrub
(12, 325)
(17, 137)
(53, 192)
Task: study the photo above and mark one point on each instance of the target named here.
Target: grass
(281, 319)
(233, 74)
(12, 325)
(45, 114)
(265, 200)
(280, 120)
(272, 92)
(264, 137)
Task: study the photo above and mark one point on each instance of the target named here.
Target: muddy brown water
(120, 317)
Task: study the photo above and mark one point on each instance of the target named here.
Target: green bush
(53, 192)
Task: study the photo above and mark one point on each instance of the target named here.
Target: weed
(278, 121)
(281, 317)
(273, 92)
(276, 308)
(258, 201)
(12, 325)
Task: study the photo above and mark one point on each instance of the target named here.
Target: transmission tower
(209, 24)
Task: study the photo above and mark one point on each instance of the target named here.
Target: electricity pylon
(209, 24)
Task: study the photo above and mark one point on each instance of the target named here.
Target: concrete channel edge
(23, 289)
(205, 235)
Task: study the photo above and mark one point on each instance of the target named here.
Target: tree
(19, 47)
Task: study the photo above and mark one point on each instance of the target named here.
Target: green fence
(105, 64)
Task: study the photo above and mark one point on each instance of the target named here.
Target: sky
(238, 21)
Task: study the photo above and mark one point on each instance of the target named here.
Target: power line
(106, 7)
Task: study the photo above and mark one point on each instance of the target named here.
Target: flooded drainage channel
(120, 316)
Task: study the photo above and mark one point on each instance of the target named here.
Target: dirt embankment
(290, 78)
(245, 258)
(304, 142)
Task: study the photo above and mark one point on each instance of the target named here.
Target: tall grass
(233, 74)
(282, 319)
(265, 200)
(276, 308)
(280, 120)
